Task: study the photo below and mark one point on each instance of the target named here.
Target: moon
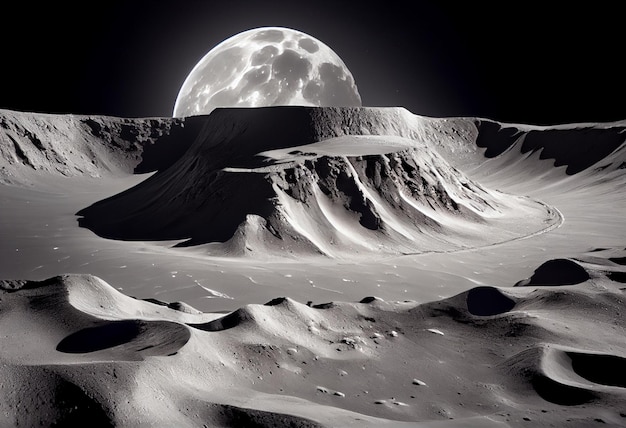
(267, 66)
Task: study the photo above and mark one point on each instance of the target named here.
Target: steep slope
(334, 181)
(527, 158)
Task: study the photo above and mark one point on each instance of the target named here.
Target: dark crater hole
(557, 272)
(600, 368)
(101, 337)
(486, 301)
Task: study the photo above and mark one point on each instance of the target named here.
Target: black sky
(522, 63)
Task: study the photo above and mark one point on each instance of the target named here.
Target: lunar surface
(311, 266)
(268, 66)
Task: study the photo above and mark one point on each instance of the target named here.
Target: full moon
(267, 66)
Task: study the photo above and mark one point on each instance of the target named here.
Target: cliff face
(91, 146)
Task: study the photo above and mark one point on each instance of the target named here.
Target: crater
(487, 301)
(127, 337)
(604, 369)
(556, 272)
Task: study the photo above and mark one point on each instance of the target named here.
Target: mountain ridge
(331, 181)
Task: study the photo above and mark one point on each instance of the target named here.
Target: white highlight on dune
(213, 293)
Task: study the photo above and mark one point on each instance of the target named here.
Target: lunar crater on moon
(267, 67)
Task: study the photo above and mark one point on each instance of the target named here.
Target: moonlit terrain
(268, 66)
(311, 266)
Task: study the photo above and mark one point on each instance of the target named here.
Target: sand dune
(486, 356)
(508, 312)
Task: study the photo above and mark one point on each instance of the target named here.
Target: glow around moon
(267, 66)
